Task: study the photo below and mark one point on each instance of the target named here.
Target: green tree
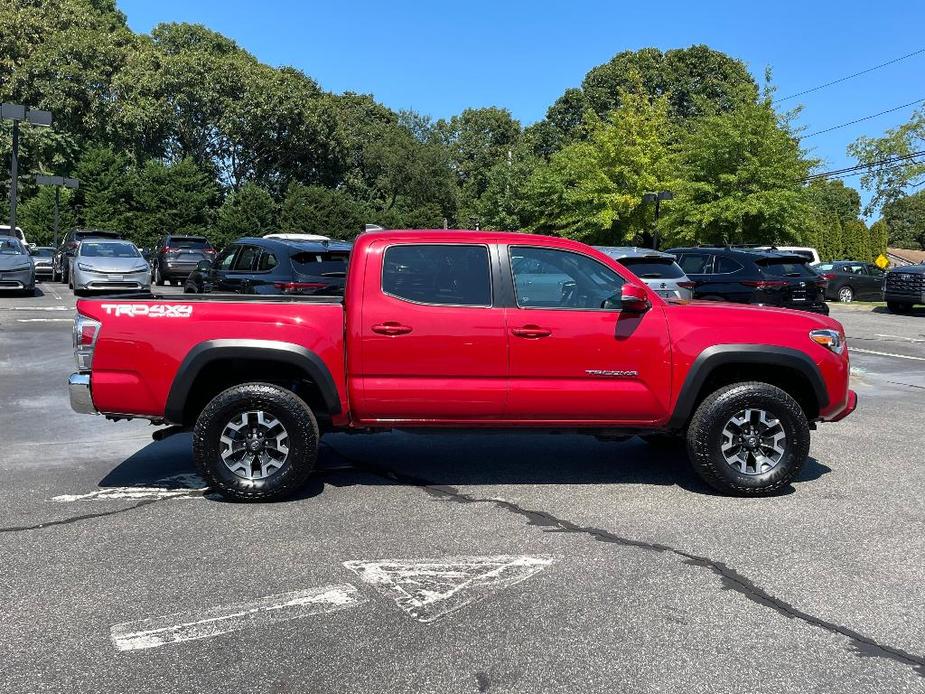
(696, 81)
(171, 199)
(905, 218)
(856, 241)
(592, 189)
(889, 181)
(504, 205)
(740, 180)
(36, 215)
(106, 197)
(834, 197)
(325, 211)
(879, 237)
(248, 211)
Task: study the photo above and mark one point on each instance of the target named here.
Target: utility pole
(657, 199)
(57, 182)
(17, 113)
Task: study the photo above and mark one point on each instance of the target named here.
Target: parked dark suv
(848, 280)
(176, 256)
(904, 288)
(64, 254)
(751, 276)
(271, 266)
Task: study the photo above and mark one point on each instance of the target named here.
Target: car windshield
(81, 235)
(653, 268)
(785, 267)
(324, 264)
(43, 252)
(10, 246)
(108, 249)
(188, 242)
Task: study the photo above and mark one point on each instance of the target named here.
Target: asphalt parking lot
(458, 563)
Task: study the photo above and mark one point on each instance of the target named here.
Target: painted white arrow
(428, 589)
(203, 624)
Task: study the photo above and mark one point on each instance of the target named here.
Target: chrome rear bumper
(78, 387)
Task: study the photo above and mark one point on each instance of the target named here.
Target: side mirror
(633, 299)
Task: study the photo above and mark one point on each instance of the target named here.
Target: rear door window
(696, 263)
(456, 275)
(247, 259)
(267, 262)
(725, 266)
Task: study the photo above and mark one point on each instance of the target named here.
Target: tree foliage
(905, 220)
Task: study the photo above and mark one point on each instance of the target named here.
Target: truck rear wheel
(256, 442)
(748, 439)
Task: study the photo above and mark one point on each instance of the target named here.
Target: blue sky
(441, 58)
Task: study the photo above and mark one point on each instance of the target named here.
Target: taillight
(687, 285)
(828, 276)
(765, 284)
(86, 330)
(298, 287)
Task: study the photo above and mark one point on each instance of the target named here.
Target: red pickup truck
(461, 330)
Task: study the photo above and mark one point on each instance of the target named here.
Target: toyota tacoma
(449, 329)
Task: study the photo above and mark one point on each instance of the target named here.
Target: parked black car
(176, 256)
(904, 288)
(61, 263)
(751, 276)
(271, 266)
(848, 280)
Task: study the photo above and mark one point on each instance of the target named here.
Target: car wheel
(845, 294)
(748, 439)
(256, 442)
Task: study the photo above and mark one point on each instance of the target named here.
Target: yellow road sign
(882, 261)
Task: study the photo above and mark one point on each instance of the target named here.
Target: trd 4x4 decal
(150, 310)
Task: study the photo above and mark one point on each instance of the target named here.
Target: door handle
(531, 332)
(391, 328)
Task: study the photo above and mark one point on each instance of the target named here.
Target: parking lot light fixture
(57, 182)
(657, 198)
(17, 113)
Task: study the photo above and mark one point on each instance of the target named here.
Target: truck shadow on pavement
(400, 458)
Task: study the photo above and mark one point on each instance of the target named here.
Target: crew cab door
(431, 344)
(573, 359)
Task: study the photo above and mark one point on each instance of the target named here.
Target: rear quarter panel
(139, 351)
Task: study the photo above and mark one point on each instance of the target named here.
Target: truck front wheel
(256, 442)
(748, 439)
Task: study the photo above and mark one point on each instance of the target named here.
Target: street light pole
(16, 113)
(657, 199)
(57, 182)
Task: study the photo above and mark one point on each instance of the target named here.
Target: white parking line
(44, 320)
(900, 337)
(885, 354)
(38, 308)
(189, 626)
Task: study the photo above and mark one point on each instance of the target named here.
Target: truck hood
(749, 314)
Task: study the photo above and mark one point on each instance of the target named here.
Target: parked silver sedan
(658, 270)
(104, 265)
(16, 270)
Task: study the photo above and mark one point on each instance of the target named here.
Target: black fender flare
(720, 355)
(264, 350)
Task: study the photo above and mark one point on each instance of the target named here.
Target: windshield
(653, 268)
(325, 264)
(107, 249)
(43, 252)
(10, 246)
(188, 242)
(785, 267)
(824, 267)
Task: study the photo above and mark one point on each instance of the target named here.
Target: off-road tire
(705, 437)
(294, 415)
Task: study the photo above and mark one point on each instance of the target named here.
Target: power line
(860, 120)
(848, 77)
(901, 160)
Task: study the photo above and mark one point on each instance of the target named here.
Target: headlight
(830, 339)
(81, 266)
(140, 268)
(20, 268)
